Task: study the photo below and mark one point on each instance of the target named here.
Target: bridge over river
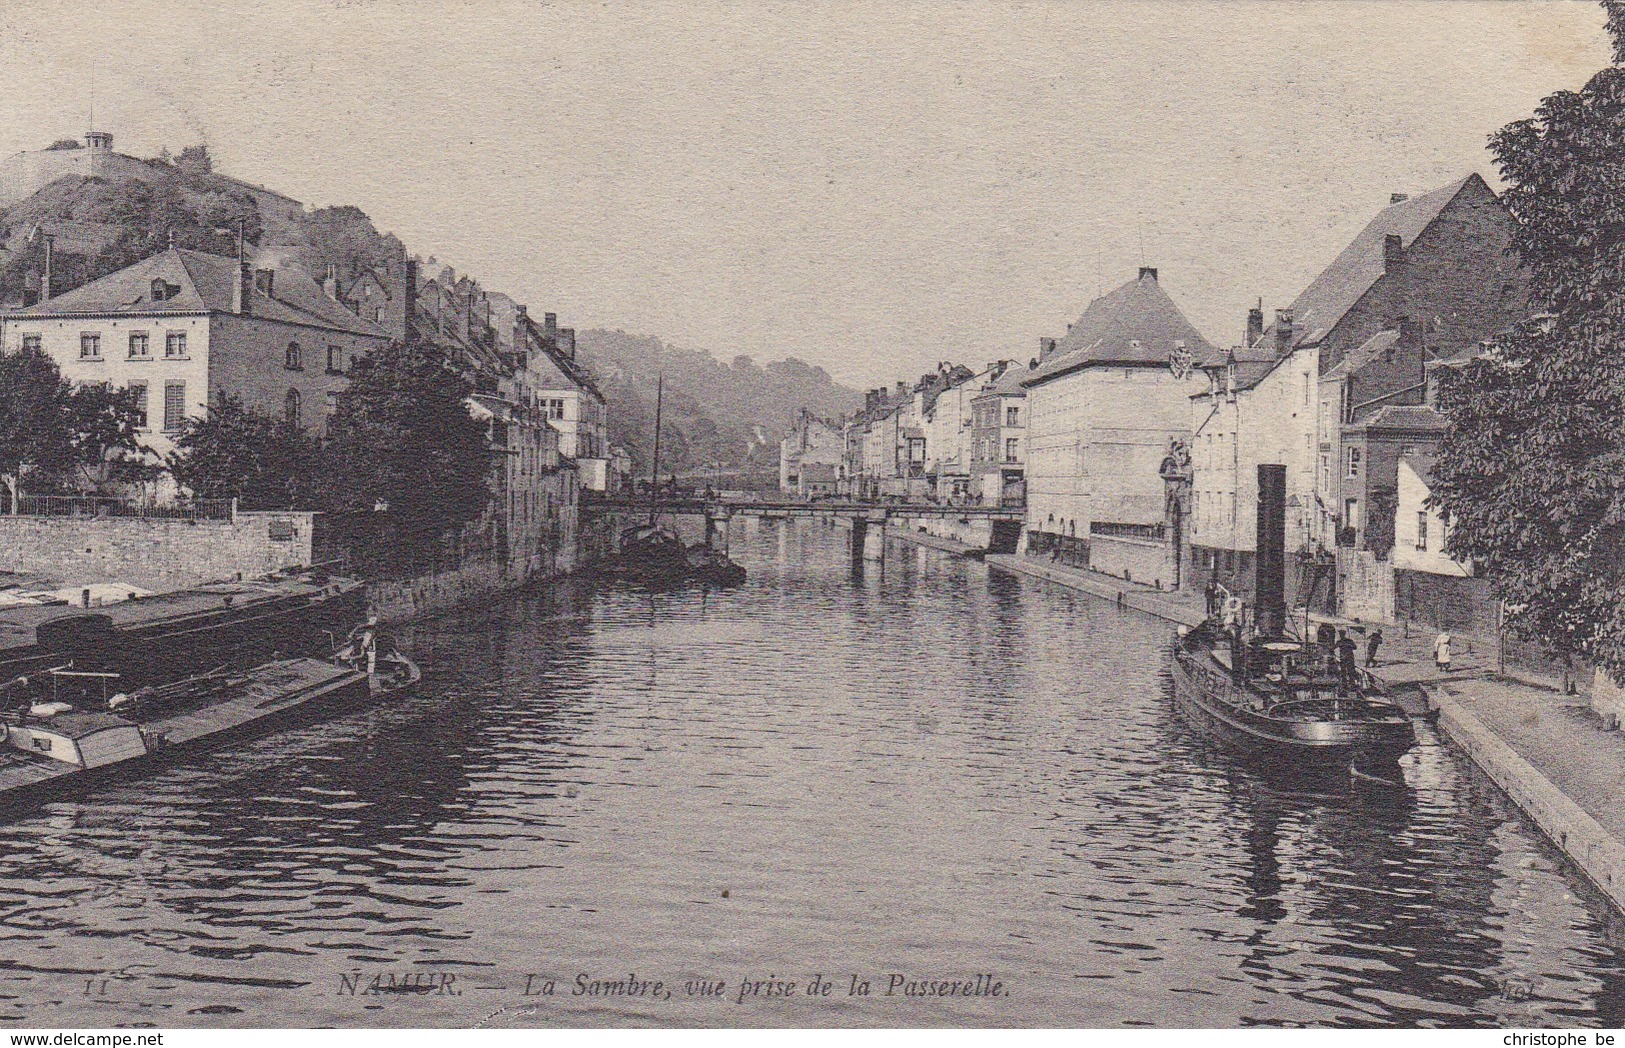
(1005, 520)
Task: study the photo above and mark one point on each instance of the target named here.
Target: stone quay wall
(156, 554)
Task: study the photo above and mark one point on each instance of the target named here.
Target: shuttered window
(174, 405)
(140, 389)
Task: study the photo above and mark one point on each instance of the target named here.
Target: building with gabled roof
(184, 326)
(1429, 277)
(811, 456)
(1102, 405)
(1443, 259)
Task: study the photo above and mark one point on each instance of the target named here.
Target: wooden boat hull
(1308, 745)
(193, 732)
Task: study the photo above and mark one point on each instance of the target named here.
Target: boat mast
(654, 472)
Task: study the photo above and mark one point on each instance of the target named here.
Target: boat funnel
(1270, 583)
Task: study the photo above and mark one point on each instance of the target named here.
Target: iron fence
(103, 506)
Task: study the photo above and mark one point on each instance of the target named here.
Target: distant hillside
(733, 414)
(102, 225)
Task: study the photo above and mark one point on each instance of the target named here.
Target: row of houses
(1134, 440)
(184, 327)
(956, 435)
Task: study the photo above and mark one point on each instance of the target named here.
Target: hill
(104, 224)
(732, 415)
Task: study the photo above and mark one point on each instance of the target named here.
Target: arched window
(293, 362)
(290, 407)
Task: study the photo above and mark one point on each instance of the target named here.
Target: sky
(870, 186)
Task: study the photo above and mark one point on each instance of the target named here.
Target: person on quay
(1372, 643)
(369, 644)
(1441, 651)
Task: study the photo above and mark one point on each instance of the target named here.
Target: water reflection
(930, 769)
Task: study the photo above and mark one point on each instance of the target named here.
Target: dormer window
(159, 290)
(292, 361)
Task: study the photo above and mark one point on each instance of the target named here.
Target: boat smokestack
(1270, 583)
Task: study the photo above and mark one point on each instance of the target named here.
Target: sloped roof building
(1103, 405)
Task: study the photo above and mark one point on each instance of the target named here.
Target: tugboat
(1273, 695)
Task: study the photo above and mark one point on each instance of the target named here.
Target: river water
(928, 772)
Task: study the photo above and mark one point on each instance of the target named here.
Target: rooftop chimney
(550, 324)
(330, 282)
(1255, 324)
(902, 387)
(1046, 346)
(1283, 332)
(245, 289)
(1393, 251)
(567, 342)
(1148, 271)
(1398, 198)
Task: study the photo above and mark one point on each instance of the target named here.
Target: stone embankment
(1551, 754)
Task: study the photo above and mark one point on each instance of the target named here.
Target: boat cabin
(87, 740)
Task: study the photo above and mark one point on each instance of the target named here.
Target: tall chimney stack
(1269, 586)
(1255, 324)
(1393, 252)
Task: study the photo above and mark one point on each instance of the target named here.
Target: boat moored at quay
(66, 730)
(151, 639)
(1279, 697)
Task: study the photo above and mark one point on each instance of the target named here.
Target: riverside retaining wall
(156, 554)
(1598, 854)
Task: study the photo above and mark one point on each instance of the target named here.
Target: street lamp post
(1301, 505)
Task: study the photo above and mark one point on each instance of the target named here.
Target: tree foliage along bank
(1531, 474)
(58, 438)
(402, 441)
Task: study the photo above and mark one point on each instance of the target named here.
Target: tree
(403, 438)
(104, 433)
(1531, 473)
(194, 161)
(34, 438)
(238, 452)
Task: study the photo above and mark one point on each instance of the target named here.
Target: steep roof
(1352, 273)
(1404, 416)
(1009, 383)
(204, 283)
(1365, 354)
(1252, 366)
(1137, 324)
